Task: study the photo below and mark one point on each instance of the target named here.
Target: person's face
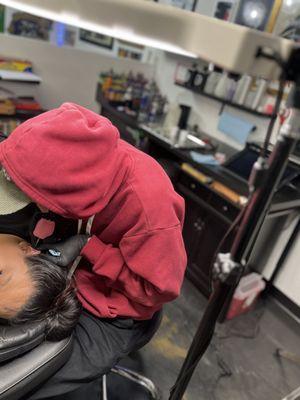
(16, 286)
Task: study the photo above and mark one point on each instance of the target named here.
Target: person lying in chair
(34, 289)
(72, 162)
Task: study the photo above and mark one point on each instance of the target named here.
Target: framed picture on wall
(2, 16)
(131, 50)
(96, 38)
(132, 45)
(125, 53)
(223, 10)
(30, 26)
(258, 14)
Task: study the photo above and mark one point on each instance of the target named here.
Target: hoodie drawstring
(82, 228)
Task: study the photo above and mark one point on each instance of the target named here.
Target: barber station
(149, 200)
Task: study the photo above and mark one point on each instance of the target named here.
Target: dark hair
(54, 299)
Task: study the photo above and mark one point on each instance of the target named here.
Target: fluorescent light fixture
(117, 29)
(230, 46)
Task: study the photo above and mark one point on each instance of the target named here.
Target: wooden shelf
(226, 102)
(16, 76)
(22, 115)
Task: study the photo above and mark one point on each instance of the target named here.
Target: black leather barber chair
(27, 360)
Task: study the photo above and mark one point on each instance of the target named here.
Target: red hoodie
(72, 161)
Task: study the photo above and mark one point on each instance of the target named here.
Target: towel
(204, 158)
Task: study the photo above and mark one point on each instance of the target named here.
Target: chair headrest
(16, 340)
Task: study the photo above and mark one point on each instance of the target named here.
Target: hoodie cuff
(106, 261)
(93, 250)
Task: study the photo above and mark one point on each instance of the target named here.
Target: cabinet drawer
(225, 208)
(199, 279)
(194, 186)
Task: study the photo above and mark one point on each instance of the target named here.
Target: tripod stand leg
(288, 355)
(201, 339)
(295, 395)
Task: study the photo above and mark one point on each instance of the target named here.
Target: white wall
(68, 74)
(288, 281)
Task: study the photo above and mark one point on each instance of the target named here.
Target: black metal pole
(246, 234)
(261, 199)
(201, 339)
(194, 5)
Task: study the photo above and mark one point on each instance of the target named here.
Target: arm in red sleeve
(146, 268)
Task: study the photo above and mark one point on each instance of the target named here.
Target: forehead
(10, 255)
(16, 285)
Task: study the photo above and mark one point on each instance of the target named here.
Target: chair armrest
(23, 374)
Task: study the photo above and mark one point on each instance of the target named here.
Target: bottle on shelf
(190, 75)
(222, 86)
(211, 82)
(144, 103)
(134, 95)
(232, 86)
(242, 90)
(153, 109)
(200, 79)
(260, 92)
(171, 121)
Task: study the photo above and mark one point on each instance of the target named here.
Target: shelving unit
(16, 76)
(21, 115)
(226, 102)
(9, 122)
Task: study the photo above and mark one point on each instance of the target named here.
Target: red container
(246, 294)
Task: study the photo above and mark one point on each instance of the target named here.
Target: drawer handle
(225, 208)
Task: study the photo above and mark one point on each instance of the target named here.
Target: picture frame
(223, 10)
(30, 26)
(96, 39)
(266, 12)
(136, 46)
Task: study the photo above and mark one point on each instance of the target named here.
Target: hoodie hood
(69, 160)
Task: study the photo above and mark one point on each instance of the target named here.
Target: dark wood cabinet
(213, 232)
(193, 226)
(208, 218)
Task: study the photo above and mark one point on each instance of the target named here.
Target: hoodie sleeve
(147, 268)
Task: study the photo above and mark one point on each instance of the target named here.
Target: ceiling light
(39, 8)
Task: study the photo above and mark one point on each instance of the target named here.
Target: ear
(28, 250)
